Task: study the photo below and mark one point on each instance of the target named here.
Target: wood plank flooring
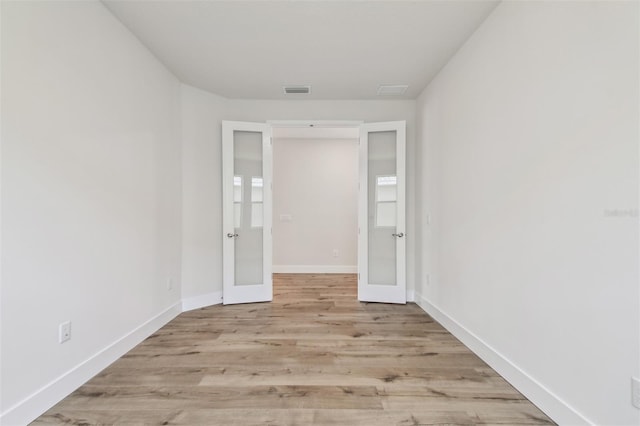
(314, 356)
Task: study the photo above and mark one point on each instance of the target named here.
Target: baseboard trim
(201, 301)
(315, 269)
(536, 392)
(50, 394)
(411, 296)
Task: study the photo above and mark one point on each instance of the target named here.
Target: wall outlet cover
(64, 331)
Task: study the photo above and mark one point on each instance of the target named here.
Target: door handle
(400, 235)
(230, 235)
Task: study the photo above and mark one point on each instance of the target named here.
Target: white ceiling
(343, 49)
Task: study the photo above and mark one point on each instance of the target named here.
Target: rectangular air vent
(297, 90)
(392, 89)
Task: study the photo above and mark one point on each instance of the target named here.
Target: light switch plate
(286, 218)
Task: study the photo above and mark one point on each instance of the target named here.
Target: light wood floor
(314, 356)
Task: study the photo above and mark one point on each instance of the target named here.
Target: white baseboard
(50, 394)
(411, 296)
(315, 269)
(198, 302)
(561, 412)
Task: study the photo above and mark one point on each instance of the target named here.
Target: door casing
(264, 292)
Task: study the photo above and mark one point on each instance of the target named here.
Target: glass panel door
(246, 212)
(381, 243)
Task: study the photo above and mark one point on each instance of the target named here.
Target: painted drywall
(315, 205)
(529, 144)
(203, 259)
(91, 212)
(202, 114)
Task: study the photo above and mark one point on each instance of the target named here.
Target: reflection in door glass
(248, 246)
(381, 206)
(237, 201)
(386, 192)
(256, 202)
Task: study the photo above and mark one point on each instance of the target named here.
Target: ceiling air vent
(392, 89)
(297, 90)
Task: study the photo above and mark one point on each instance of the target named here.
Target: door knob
(230, 235)
(400, 235)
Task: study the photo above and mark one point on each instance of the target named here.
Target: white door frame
(315, 123)
(364, 289)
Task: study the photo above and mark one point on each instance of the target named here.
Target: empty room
(306, 212)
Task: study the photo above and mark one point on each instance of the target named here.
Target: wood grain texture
(314, 356)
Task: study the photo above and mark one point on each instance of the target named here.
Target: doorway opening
(247, 193)
(315, 199)
(315, 203)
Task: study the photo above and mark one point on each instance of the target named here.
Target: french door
(381, 216)
(247, 212)
(246, 216)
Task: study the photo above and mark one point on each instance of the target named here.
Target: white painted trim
(411, 296)
(550, 403)
(315, 123)
(53, 392)
(204, 300)
(315, 133)
(315, 269)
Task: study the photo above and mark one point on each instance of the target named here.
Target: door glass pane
(256, 202)
(381, 207)
(237, 202)
(247, 171)
(386, 191)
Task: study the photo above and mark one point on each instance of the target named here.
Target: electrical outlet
(336, 253)
(169, 283)
(635, 392)
(64, 331)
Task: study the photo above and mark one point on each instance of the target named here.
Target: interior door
(246, 217)
(381, 218)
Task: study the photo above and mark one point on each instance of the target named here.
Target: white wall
(529, 145)
(315, 185)
(90, 198)
(204, 257)
(202, 114)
